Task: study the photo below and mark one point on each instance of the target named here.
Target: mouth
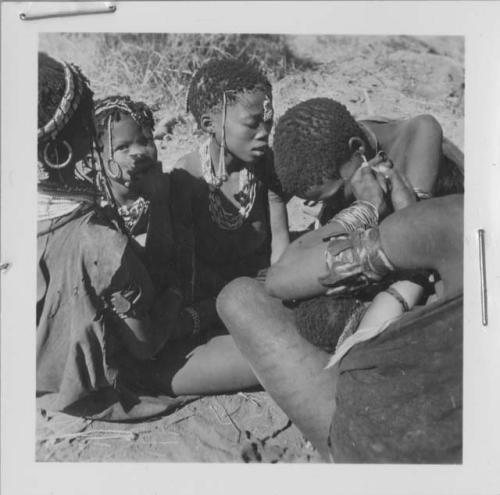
(260, 150)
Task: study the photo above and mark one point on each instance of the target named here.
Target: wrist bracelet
(421, 194)
(195, 317)
(397, 295)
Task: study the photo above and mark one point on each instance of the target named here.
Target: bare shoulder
(424, 121)
(190, 163)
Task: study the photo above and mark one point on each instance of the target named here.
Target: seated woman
(397, 396)
(236, 202)
(99, 320)
(318, 146)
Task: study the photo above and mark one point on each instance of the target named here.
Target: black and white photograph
(257, 252)
(250, 248)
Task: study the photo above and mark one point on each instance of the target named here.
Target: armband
(354, 261)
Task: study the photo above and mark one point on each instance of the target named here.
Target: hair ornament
(67, 106)
(268, 114)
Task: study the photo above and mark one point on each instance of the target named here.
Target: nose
(264, 130)
(137, 152)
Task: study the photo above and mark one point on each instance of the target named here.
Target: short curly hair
(311, 143)
(217, 77)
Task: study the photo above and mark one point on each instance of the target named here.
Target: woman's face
(134, 149)
(247, 127)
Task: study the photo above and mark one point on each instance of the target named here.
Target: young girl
(145, 201)
(238, 211)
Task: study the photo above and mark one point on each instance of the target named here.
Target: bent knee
(236, 297)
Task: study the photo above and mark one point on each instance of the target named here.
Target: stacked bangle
(360, 215)
(397, 295)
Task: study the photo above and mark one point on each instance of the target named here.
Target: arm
(143, 323)
(386, 307)
(296, 274)
(279, 226)
(417, 151)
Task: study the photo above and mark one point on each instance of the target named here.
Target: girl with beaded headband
(146, 202)
(239, 213)
(99, 318)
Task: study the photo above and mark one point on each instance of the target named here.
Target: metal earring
(114, 170)
(47, 149)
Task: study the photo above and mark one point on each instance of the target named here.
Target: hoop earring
(57, 165)
(116, 173)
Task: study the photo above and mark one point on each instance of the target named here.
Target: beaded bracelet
(397, 295)
(196, 319)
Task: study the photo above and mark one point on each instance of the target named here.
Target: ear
(207, 123)
(356, 145)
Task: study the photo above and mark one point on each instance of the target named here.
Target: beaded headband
(139, 112)
(74, 84)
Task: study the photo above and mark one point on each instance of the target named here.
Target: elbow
(274, 284)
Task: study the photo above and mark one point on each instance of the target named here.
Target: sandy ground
(388, 76)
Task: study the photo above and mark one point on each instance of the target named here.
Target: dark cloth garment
(223, 255)
(82, 260)
(399, 395)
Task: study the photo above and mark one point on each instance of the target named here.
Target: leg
(194, 367)
(290, 368)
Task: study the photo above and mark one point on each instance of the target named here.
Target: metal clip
(65, 9)
(5, 266)
(482, 275)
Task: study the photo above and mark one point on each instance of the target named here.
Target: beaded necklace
(224, 218)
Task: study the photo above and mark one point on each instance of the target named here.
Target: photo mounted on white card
(398, 95)
(252, 245)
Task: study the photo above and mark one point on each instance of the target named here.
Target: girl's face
(134, 149)
(248, 124)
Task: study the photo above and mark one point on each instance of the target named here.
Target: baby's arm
(387, 304)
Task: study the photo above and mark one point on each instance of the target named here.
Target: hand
(150, 185)
(369, 185)
(262, 274)
(402, 194)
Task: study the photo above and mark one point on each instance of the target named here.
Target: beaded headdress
(112, 105)
(75, 83)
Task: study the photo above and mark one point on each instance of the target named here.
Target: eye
(253, 124)
(121, 147)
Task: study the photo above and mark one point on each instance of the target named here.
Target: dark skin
(246, 139)
(295, 276)
(413, 146)
(426, 235)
